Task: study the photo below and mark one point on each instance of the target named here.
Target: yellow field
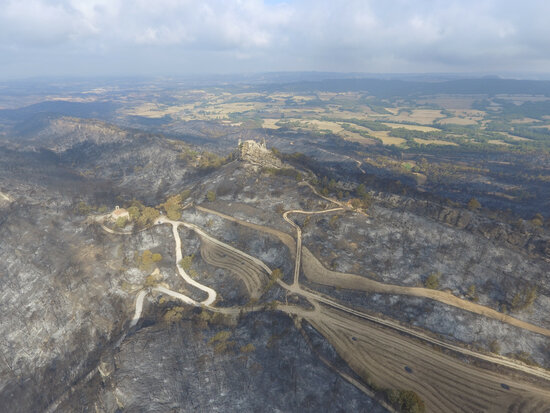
(497, 142)
(320, 125)
(153, 110)
(323, 125)
(361, 128)
(270, 123)
(246, 95)
(519, 99)
(450, 101)
(342, 107)
(236, 107)
(355, 137)
(463, 117)
(362, 113)
(422, 116)
(518, 138)
(457, 121)
(412, 127)
(525, 120)
(433, 142)
(388, 140)
(469, 113)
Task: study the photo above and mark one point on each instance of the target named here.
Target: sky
(183, 37)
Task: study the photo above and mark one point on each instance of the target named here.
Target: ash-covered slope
(168, 367)
(69, 287)
(60, 293)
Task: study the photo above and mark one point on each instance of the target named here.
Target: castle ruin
(256, 153)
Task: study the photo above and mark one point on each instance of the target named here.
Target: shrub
(83, 209)
(355, 203)
(249, 348)
(186, 262)
(209, 160)
(147, 217)
(185, 194)
(406, 401)
(172, 316)
(361, 191)
(172, 207)
(121, 222)
(537, 220)
(211, 196)
(275, 275)
(333, 221)
(472, 294)
(524, 357)
(473, 204)
(146, 260)
(134, 213)
(221, 335)
(524, 298)
(432, 282)
(494, 347)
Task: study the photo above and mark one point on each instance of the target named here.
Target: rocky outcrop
(257, 154)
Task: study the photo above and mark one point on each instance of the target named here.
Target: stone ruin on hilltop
(256, 153)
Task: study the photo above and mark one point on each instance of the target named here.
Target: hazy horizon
(79, 38)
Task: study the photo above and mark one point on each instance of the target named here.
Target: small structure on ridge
(256, 153)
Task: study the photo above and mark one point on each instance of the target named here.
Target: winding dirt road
(317, 273)
(378, 349)
(313, 296)
(211, 293)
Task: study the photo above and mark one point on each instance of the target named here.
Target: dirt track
(211, 293)
(315, 272)
(298, 255)
(253, 276)
(381, 355)
(390, 360)
(283, 236)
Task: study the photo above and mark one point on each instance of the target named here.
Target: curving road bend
(179, 296)
(204, 235)
(211, 293)
(297, 261)
(139, 307)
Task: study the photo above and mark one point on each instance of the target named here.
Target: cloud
(256, 35)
